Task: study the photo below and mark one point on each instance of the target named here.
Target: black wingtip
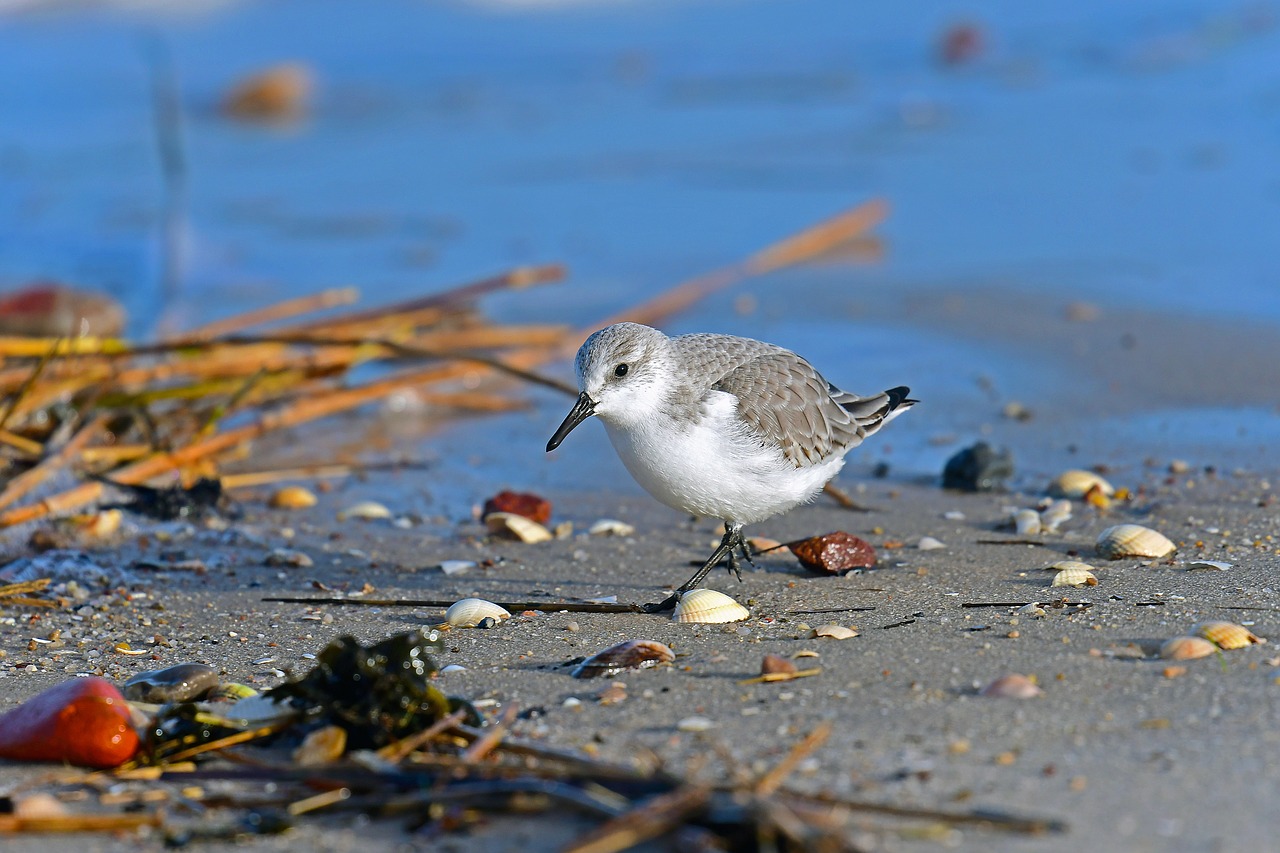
(898, 397)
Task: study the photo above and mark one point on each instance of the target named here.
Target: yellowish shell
(1187, 648)
(1076, 483)
(365, 511)
(470, 612)
(1076, 577)
(1026, 521)
(709, 607)
(1133, 540)
(1064, 565)
(1227, 635)
(292, 497)
(834, 632)
(517, 527)
(611, 527)
(322, 746)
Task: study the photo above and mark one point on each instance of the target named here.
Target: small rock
(834, 553)
(530, 506)
(288, 557)
(979, 468)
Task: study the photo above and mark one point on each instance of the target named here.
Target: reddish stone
(48, 309)
(834, 553)
(530, 506)
(84, 722)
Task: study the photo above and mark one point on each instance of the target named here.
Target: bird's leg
(728, 547)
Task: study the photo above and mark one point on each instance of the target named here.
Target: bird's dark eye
(620, 370)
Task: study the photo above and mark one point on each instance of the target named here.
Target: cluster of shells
(1044, 519)
(1209, 638)
(1083, 485)
(1072, 573)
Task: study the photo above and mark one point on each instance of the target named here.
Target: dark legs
(730, 546)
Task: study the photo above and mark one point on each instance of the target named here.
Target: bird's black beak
(583, 409)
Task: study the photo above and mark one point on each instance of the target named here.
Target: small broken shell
(1133, 540)
(1226, 635)
(292, 497)
(1187, 648)
(1054, 514)
(835, 632)
(1076, 577)
(1076, 483)
(774, 664)
(1012, 686)
(1026, 521)
(517, 527)
(633, 654)
(611, 527)
(323, 746)
(364, 511)
(928, 543)
(707, 606)
(470, 612)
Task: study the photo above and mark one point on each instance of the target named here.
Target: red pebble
(834, 553)
(84, 722)
(530, 506)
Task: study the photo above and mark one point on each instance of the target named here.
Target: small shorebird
(720, 426)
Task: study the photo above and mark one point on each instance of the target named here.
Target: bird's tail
(871, 413)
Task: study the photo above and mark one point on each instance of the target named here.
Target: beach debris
(777, 668)
(272, 94)
(1179, 466)
(1053, 515)
(1068, 565)
(324, 745)
(292, 497)
(1208, 565)
(183, 682)
(473, 613)
(708, 606)
(364, 511)
(632, 654)
(84, 722)
(611, 527)
(1011, 686)
(1026, 521)
(696, 724)
(834, 632)
(1133, 540)
(761, 544)
(1076, 483)
(1187, 648)
(961, 44)
(1074, 577)
(48, 309)
(290, 557)
(1033, 609)
(456, 567)
(65, 566)
(928, 543)
(517, 527)
(230, 691)
(834, 553)
(979, 468)
(170, 503)
(1226, 635)
(613, 693)
(530, 506)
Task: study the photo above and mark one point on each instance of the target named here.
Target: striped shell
(709, 607)
(1076, 483)
(1026, 521)
(1063, 565)
(1227, 635)
(1187, 648)
(1075, 576)
(470, 612)
(1133, 540)
(517, 527)
(633, 654)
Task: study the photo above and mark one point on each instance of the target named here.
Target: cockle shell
(470, 612)
(708, 607)
(1075, 576)
(1026, 521)
(1063, 565)
(1133, 540)
(1011, 686)
(1076, 483)
(633, 654)
(1226, 635)
(517, 527)
(1187, 648)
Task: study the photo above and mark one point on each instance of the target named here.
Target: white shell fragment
(470, 612)
(457, 567)
(364, 511)
(1026, 521)
(1133, 540)
(1054, 514)
(611, 527)
(517, 527)
(1074, 577)
(928, 543)
(1208, 565)
(1076, 483)
(834, 632)
(1063, 565)
(709, 607)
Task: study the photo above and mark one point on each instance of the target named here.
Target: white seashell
(1208, 565)
(1075, 483)
(1076, 577)
(1026, 521)
(517, 527)
(1187, 648)
(1133, 540)
(695, 724)
(470, 612)
(1063, 565)
(928, 543)
(835, 632)
(1011, 686)
(709, 607)
(1054, 514)
(364, 511)
(611, 527)
(1033, 609)
(456, 567)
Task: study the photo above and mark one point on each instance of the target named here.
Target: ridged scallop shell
(708, 607)
(1075, 577)
(1026, 521)
(517, 527)
(633, 654)
(470, 612)
(1227, 635)
(1063, 565)
(1187, 648)
(1133, 540)
(1076, 483)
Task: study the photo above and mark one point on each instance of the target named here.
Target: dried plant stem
(20, 485)
(322, 301)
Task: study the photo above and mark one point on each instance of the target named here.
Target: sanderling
(720, 426)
